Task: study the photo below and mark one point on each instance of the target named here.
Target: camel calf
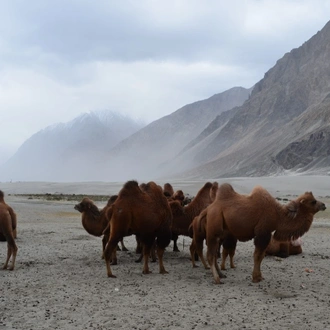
(8, 224)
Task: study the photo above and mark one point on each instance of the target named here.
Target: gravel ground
(60, 279)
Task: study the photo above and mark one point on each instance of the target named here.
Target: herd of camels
(217, 215)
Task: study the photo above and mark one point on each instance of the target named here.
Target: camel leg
(146, 254)
(192, 254)
(123, 247)
(11, 251)
(108, 253)
(231, 256)
(153, 252)
(224, 256)
(199, 250)
(160, 253)
(212, 259)
(261, 242)
(114, 257)
(284, 250)
(175, 244)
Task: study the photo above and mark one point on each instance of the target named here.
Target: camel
(184, 215)
(143, 213)
(198, 234)
(168, 190)
(171, 195)
(197, 230)
(256, 216)
(8, 222)
(95, 221)
(284, 249)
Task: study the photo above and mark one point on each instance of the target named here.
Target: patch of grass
(65, 197)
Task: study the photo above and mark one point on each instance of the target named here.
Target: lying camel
(143, 213)
(95, 221)
(284, 249)
(184, 215)
(256, 216)
(8, 222)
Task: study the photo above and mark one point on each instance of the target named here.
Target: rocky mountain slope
(283, 126)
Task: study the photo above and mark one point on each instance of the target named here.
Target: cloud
(146, 58)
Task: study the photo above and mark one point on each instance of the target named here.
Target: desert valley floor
(60, 279)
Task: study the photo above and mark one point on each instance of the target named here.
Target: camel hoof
(113, 262)
(257, 279)
(163, 272)
(147, 272)
(222, 275)
(206, 267)
(195, 266)
(111, 275)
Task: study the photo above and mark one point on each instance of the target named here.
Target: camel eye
(313, 202)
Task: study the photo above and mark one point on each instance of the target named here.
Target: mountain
(69, 151)
(283, 127)
(146, 154)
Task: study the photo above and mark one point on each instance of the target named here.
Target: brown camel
(198, 233)
(142, 213)
(184, 215)
(95, 221)
(197, 230)
(284, 249)
(168, 190)
(8, 222)
(256, 216)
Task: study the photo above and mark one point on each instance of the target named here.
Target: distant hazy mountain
(148, 153)
(70, 151)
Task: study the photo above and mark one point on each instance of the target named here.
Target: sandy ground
(60, 279)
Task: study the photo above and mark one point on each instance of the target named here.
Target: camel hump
(2, 195)
(130, 188)
(225, 190)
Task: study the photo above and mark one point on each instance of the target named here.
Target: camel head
(85, 205)
(310, 204)
(2, 195)
(298, 217)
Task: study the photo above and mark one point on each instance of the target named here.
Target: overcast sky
(144, 58)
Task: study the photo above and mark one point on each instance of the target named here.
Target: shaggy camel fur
(256, 216)
(184, 215)
(8, 222)
(143, 213)
(284, 249)
(95, 221)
